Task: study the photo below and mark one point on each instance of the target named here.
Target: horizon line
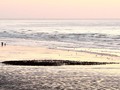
(59, 18)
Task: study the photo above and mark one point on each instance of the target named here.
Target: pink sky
(59, 8)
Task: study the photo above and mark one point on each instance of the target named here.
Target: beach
(59, 44)
(91, 41)
(43, 53)
(88, 77)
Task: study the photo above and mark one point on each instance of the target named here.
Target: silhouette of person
(2, 44)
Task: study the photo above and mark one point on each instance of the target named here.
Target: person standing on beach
(2, 44)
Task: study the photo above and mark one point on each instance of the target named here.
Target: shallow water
(94, 77)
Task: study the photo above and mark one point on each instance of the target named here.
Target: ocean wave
(80, 39)
(81, 33)
(58, 36)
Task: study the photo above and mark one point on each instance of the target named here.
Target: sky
(82, 9)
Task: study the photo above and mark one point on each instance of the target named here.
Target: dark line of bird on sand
(53, 62)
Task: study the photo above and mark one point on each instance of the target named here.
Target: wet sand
(59, 77)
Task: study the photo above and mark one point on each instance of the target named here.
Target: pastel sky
(59, 8)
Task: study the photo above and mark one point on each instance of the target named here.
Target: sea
(61, 34)
(64, 34)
